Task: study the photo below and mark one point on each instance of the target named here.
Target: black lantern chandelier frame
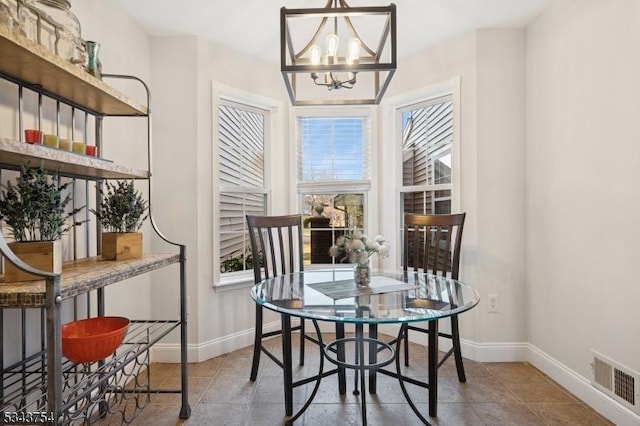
(326, 71)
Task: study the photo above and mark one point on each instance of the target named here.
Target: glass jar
(27, 20)
(9, 14)
(58, 28)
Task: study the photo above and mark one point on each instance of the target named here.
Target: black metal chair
(276, 246)
(431, 243)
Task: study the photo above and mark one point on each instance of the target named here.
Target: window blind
(333, 149)
(241, 146)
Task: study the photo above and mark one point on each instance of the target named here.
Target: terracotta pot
(44, 255)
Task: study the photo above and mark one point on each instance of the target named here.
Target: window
(334, 173)
(333, 149)
(426, 142)
(242, 136)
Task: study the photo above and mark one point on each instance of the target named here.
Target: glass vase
(94, 66)
(362, 275)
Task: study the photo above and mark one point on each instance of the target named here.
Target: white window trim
(426, 187)
(366, 186)
(221, 92)
(392, 152)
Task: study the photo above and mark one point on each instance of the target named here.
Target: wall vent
(617, 381)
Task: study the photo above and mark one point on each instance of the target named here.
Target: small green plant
(122, 208)
(237, 261)
(34, 208)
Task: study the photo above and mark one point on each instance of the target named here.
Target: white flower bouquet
(358, 248)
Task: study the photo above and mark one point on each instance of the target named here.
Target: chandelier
(325, 60)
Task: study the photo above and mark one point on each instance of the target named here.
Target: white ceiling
(252, 26)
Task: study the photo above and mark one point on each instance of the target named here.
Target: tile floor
(494, 394)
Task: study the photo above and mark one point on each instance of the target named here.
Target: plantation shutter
(241, 144)
(333, 149)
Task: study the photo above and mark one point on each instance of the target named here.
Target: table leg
(342, 377)
(373, 357)
(361, 370)
(287, 364)
(433, 368)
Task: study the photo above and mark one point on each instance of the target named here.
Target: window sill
(234, 282)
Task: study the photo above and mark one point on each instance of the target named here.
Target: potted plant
(35, 210)
(121, 213)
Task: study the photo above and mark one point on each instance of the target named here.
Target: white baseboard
(582, 388)
(170, 352)
(481, 352)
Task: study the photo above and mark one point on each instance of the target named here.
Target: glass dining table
(330, 295)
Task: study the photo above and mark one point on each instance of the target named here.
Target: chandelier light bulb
(315, 54)
(353, 51)
(332, 45)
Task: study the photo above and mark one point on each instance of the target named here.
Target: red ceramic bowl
(93, 339)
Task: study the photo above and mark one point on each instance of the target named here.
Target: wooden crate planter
(44, 255)
(121, 246)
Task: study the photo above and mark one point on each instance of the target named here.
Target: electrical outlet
(492, 303)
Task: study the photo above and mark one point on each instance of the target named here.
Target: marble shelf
(66, 163)
(79, 277)
(26, 60)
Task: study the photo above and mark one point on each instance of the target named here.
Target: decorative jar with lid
(58, 29)
(9, 14)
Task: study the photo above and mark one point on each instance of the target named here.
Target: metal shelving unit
(42, 380)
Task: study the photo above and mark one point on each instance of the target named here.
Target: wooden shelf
(30, 62)
(79, 277)
(14, 153)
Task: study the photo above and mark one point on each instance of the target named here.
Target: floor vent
(617, 381)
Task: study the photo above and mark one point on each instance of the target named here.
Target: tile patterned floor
(494, 394)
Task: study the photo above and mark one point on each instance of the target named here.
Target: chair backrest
(276, 245)
(431, 243)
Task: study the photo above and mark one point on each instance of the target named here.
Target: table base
(361, 366)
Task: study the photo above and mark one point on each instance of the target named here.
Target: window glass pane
(427, 135)
(426, 202)
(332, 148)
(326, 217)
(442, 168)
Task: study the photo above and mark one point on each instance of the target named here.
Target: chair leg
(302, 343)
(287, 364)
(455, 334)
(406, 348)
(257, 344)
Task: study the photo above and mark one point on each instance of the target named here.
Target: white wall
(583, 167)
(490, 65)
(125, 51)
(500, 250)
(183, 71)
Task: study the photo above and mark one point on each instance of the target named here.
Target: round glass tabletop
(331, 295)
